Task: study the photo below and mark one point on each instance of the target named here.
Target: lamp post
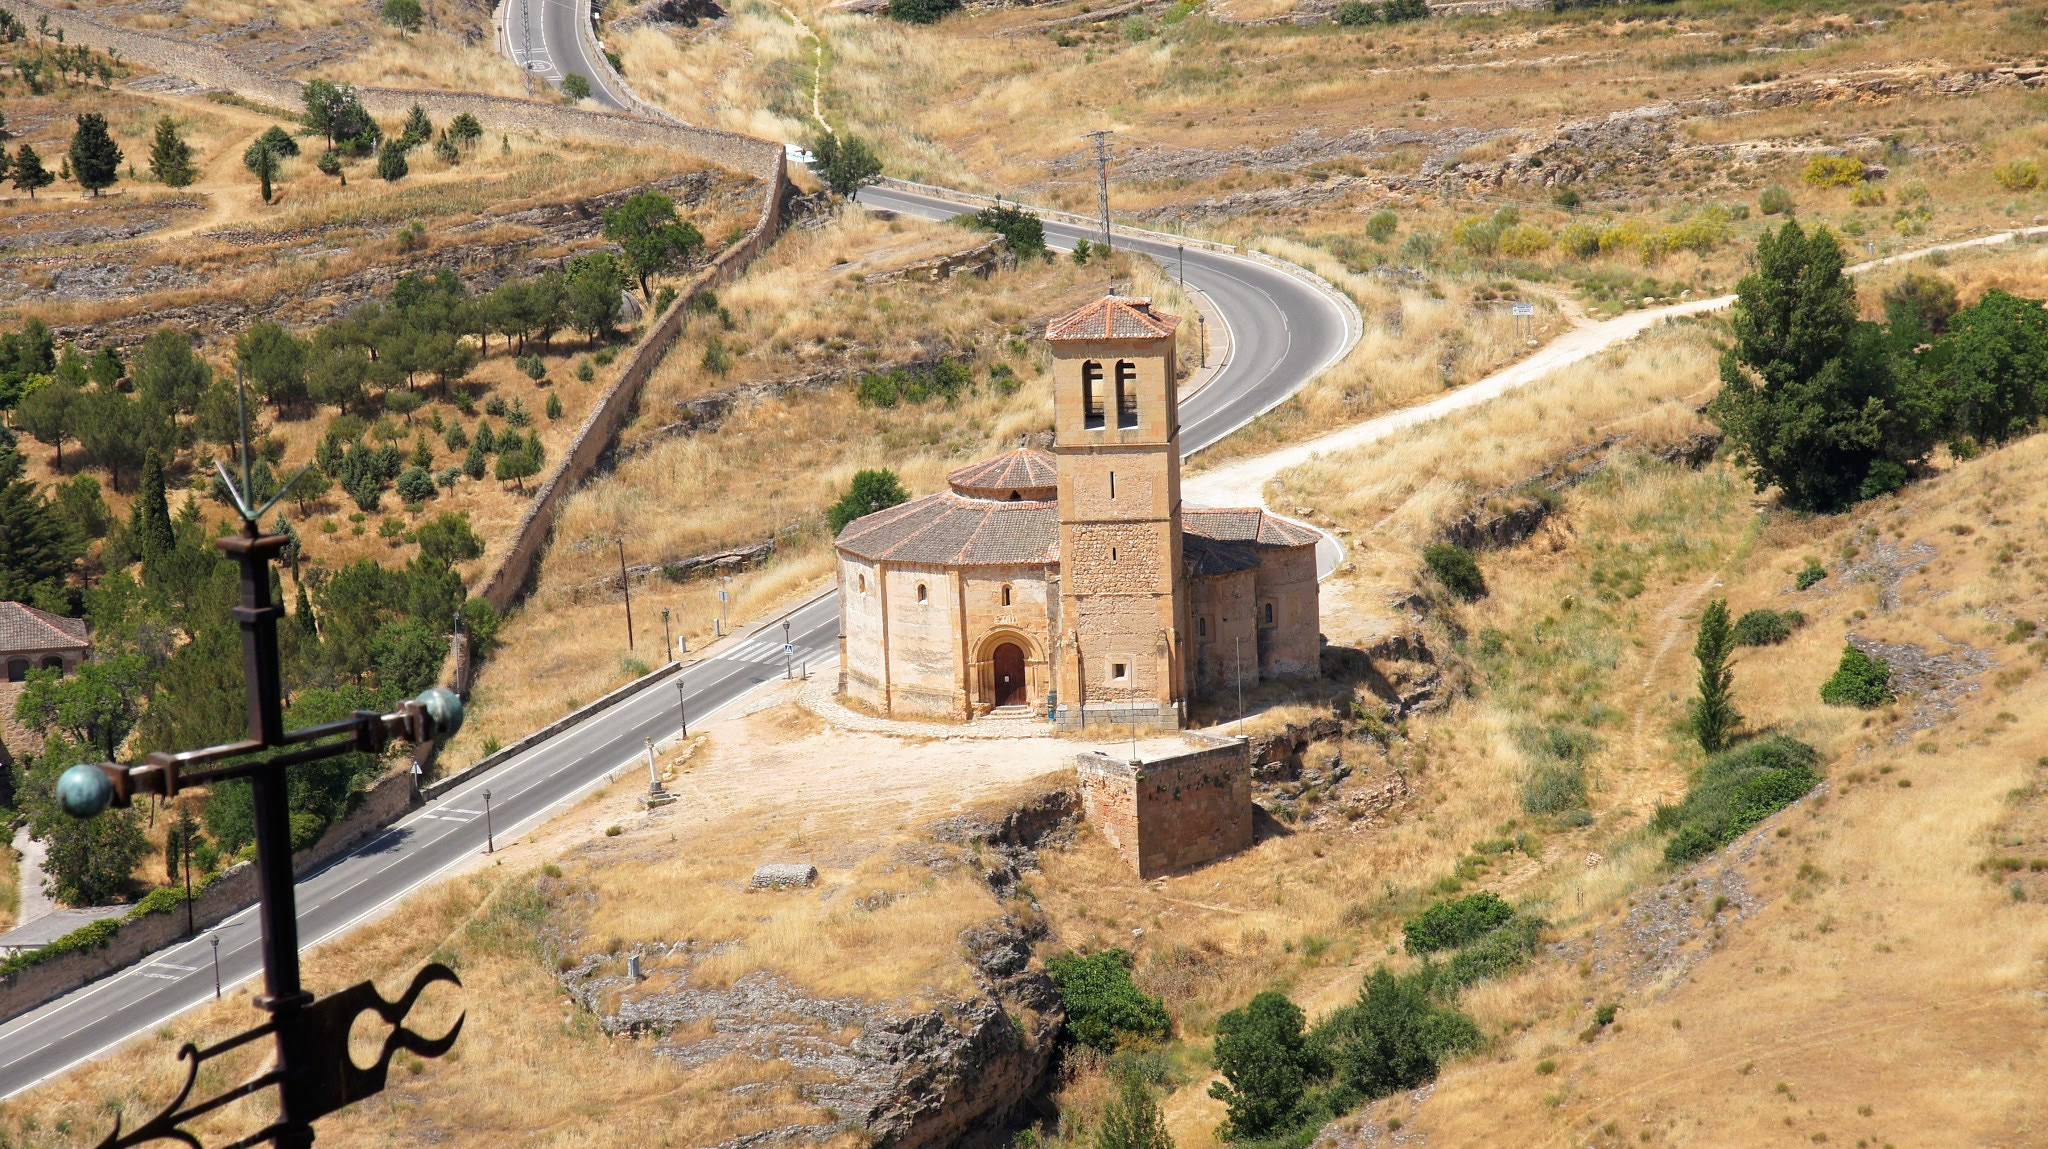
(215, 939)
(1181, 250)
(490, 839)
(668, 643)
(1202, 324)
(683, 703)
(788, 654)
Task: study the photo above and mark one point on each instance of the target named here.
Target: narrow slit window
(1006, 594)
(1112, 554)
(863, 584)
(1126, 394)
(1201, 628)
(1091, 395)
(1269, 614)
(920, 592)
(1112, 484)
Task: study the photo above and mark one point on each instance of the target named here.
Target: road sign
(721, 594)
(1523, 309)
(788, 648)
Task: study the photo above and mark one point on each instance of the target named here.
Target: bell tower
(1116, 418)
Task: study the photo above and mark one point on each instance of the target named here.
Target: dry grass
(10, 886)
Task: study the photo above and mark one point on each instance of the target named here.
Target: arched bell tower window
(1091, 395)
(921, 594)
(1006, 594)
(1126, 394)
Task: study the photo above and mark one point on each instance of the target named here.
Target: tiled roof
(23, 627)
(952, 530)
(1245, 525)
(1113, 317)
(1025, 473)
(1203, 556)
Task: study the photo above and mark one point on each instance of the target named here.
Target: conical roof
(1026, 473)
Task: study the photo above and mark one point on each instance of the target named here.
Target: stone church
(1073, 583)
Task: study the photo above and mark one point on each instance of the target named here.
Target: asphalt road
(1282, 333)
(428, 842)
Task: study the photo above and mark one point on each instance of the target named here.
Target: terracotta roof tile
(23, 627)
(1246, 525)
(952, 530)
(1026, 473)
(1113, 317)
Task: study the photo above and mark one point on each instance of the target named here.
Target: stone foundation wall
(1172, 813)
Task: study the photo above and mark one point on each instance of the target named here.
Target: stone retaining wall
(1172, 813)
(233, 891)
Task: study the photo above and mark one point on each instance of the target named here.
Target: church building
(1073, 583)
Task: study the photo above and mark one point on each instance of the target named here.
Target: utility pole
(1101, 139)
(1202, 321)
(667, 642)
(626, 588)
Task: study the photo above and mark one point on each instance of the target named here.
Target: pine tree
(150, 524)
(422, 455)
(1713, 713)
(302, 612)
(473, 460)
(170, 157)
(37, 548)
(95, 157)
(29, 172)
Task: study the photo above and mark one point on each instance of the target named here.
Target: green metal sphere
(444, 706)
(84, 791)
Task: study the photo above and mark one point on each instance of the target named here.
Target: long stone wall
(234, 890)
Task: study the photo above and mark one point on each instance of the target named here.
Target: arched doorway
(1009, 674)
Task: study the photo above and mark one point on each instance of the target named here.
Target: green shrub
(1809, 574)
(871, 491)
(1380, 225)
(1496, 953)
(1775, 201)
(1024, 231)
(2018, 175)
(1860, 679)
(1734, 791)
(1832, 171)
(1266, 1063)
(1447, 925)
(576, 86)
(1554, 787)
(306, 829)
(1354, 13)
(921, 11)
(1103, 1006)
(1394, 1037)
(945, 379)
(1765, 627)
(1455, 567)
(90, 936)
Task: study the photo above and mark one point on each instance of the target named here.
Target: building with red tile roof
(1072, 583)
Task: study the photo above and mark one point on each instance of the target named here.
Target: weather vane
(313, 1073)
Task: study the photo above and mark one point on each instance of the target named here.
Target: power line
(1101, 139)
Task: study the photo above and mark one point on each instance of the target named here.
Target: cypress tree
(1714, 716)
(170, 157)
(473, 460)
(95, 157)
(150, 523)
(302, 613)
(37, 547)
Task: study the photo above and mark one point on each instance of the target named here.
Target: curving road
(1283, 331)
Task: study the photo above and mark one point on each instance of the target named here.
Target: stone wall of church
(860, 620)
(1292, 646)
(915, 658)
(1025, 620)
(1172, 813)
(1223, 626)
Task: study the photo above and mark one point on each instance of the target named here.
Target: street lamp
(667, 643)
(1181, 250)
(1202, 322)
(683, 703)
(215, 939)
(788, 654)
(490, 840)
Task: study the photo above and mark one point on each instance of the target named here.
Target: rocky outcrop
(981, 261)
(1506, 516)
(965, 1072)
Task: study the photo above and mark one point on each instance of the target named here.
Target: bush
(942, 380)
(1775, 201)
(2018, 175)
(90, 936)
(1832, 171)
(576, 86)
(1448, 925)
(1266, 1063)
(1103, 1006)
(391, 163)
(1525, 239)
(1809, 574)
(1024, 232)
(1764, 627)
(921, 11)
(1580, 240)
(1860, 679)
(405, 15)
(1353, 13)
(1496, 953)
(1456, 569)
(1380, 225)
(1734, 791)
(1554, 787)
(1393, 1037)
